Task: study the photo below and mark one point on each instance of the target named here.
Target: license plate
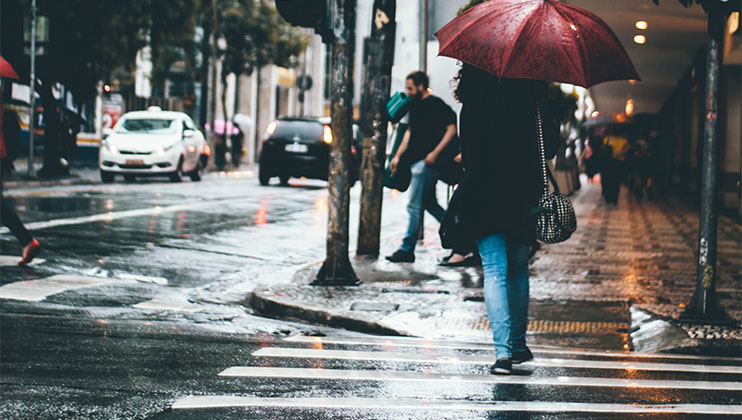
(297, 148)
(135, 162)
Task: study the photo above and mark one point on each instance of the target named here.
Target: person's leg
(10, 219)
(430, 202)
(518, 291)
(414, 206)
(493, 250)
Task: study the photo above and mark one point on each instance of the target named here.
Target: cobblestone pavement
(639, 254)
(642, 251)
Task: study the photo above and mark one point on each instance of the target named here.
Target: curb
(652, 333)
(271, 308)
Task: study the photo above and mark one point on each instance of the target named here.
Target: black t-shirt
(428, 121)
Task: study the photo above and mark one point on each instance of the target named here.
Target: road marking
(227, 401)
(12, 260)
(167, 306)
(145, 279)
(38, 290)
(381, 375)
(476, 359)
(433, 344)
(111, 216)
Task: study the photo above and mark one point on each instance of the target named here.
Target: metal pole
(211, 104)
(337, 270)
(704, 303)
(380, 59)
(32, 89)
(424, 18)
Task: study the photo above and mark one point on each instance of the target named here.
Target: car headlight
(113, 149)
(160, 151)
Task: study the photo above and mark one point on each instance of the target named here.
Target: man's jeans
(505, 263)
(422, 197)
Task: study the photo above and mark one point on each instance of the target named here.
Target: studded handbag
(555, 216)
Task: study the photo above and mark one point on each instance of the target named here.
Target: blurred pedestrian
(464, 252)
(610, 174)
(432, 126)
(10, 219)
(236, 139)
(12, 135)
(502, 184)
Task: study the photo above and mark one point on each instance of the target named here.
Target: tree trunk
(337, 270)
(379, 60)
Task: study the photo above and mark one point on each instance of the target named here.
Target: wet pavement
(137, 309)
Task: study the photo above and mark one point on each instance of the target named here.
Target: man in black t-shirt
(432, 126)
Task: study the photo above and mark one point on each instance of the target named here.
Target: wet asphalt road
(180, 257)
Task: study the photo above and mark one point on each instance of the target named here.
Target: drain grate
(543, 326)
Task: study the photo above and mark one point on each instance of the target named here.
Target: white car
(152, 143)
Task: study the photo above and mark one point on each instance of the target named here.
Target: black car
(300, 147)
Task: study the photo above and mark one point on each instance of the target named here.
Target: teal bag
(398, 106)
(401, 180)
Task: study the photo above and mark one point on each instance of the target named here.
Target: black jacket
(499, 144)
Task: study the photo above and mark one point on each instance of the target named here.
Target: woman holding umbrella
(510, 48)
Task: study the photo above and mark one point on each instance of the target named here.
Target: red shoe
(30, 251)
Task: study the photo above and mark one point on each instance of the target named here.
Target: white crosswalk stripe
(712, 387)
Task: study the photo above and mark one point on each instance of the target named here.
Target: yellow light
(733, 23)
(633, 82)
(271, 128)
(640, 39)
(327, 135)
(629, 107)
(641, 24)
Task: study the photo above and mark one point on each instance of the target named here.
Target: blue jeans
(422, 197)
(505, 263)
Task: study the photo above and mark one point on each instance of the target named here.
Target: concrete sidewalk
(619, 283)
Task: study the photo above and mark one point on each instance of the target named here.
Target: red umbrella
(537, 39)
(6, 70)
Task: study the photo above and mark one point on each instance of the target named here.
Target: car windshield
(304, 129)
(148, 126)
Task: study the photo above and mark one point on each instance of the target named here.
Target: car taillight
(327, 135)
(207, 150)
(271, 128)
(191, 148)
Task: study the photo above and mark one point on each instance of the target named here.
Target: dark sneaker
(402, 256)
(502, 367)
(522, 356)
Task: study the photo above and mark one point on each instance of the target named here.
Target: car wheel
(107, 177)
(175, 176)
(196, 173)
(263, 178)
(284, 179)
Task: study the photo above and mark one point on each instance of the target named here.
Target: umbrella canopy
(6, 70)
(537, 39)
(221, 125)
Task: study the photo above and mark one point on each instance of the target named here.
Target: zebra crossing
(350, 376)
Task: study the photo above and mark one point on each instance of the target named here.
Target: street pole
(704, 303)
(380, 59)
(337, 270)
(32, 90)
(211, 104)
(424, 18)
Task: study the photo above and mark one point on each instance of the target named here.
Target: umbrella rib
(571, 59)
(519, 32)
(468, 24)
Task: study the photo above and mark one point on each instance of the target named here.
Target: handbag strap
(545, 172)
